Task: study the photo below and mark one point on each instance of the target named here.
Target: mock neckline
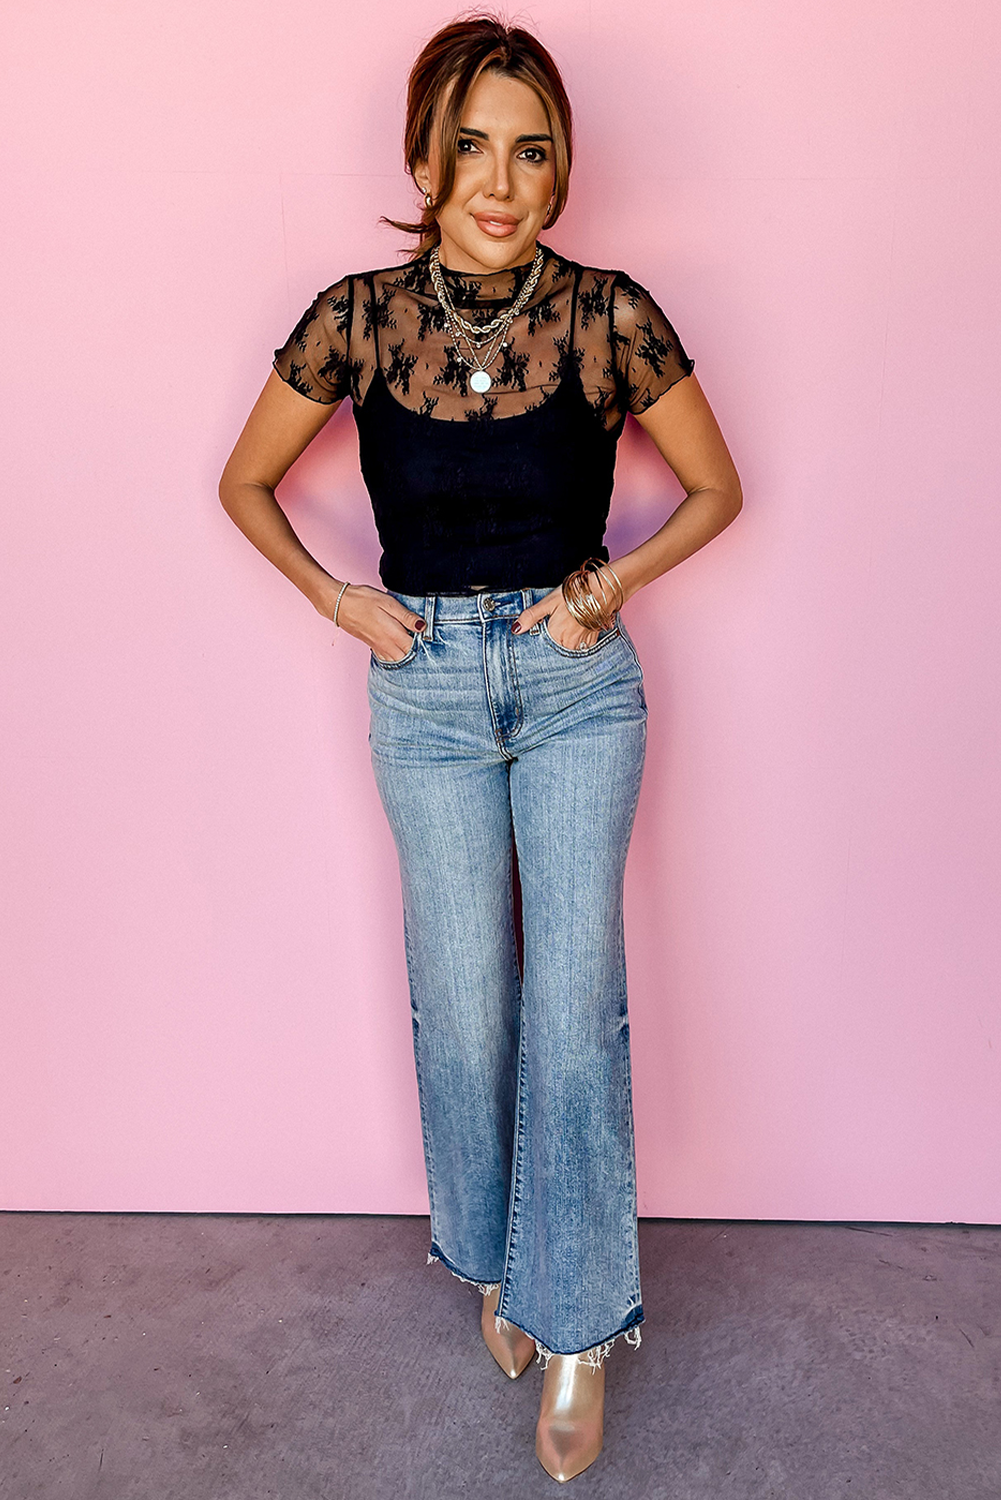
(490, 286)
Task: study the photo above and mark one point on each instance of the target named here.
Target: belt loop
(429, 603)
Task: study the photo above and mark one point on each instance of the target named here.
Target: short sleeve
(648, 354)
(314, 358)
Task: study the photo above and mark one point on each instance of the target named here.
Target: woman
(490, 379)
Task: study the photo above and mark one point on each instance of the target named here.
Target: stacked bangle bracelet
(592, 613)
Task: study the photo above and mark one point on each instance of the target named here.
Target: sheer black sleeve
(314, 358)
(648, 354)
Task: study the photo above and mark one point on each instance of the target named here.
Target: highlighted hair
(439, 83)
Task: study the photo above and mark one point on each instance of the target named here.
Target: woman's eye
(534, 154)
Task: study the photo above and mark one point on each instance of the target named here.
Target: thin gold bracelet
(338, 604)
(622, 592)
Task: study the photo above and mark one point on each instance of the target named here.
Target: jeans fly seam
(512, 657)
(498, 740)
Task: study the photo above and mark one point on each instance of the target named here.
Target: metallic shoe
(570, 1430)
(512, 1349)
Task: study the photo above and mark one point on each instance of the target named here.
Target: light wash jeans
(524, 1080)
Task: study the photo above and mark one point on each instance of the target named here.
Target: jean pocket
(403, 660)
(611, 633)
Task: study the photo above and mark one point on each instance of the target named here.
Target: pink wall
(205, 998)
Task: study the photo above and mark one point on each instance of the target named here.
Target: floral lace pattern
(625, 349)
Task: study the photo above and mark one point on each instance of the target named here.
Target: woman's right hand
(385, 625)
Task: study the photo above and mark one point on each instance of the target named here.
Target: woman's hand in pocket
(385, 625)
(565, 629)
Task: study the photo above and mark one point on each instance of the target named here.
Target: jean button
(488, 602)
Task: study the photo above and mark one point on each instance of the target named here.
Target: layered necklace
(490, 336)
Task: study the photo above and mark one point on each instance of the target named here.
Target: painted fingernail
(516, 628)
(421, 624)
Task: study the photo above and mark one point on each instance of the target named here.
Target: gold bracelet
(618, 598)
(581, 602)
(622, 592)
(576, 605)
(338, 603)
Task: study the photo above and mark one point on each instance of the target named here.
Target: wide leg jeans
(480, 736)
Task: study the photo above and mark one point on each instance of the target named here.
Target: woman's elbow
(230, 482)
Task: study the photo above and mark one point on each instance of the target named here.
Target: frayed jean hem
(594, 1357)
(481, 1286)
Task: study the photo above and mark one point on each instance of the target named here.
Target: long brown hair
(457, 55)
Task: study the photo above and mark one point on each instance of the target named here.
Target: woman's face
(504, 178)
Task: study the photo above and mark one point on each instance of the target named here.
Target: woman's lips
(499, 226)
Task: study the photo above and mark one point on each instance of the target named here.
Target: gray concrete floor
(236, 1357)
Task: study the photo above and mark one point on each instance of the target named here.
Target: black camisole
(512, 489)
(517, 502)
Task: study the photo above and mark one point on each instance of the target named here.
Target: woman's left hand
(564, 628)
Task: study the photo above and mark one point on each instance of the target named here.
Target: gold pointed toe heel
(570, 1429)
(512, 1349)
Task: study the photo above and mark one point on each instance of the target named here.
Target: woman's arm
(686, 433)
(687, 436)
(280, 427)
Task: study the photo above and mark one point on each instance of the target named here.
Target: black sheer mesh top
(500, 489)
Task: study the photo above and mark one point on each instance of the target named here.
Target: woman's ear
(422, 177)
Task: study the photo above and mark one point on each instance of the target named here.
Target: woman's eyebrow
(468, 130)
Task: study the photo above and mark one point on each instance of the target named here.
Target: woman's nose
(500, 181)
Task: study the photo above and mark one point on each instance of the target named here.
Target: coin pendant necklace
(477, 336)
